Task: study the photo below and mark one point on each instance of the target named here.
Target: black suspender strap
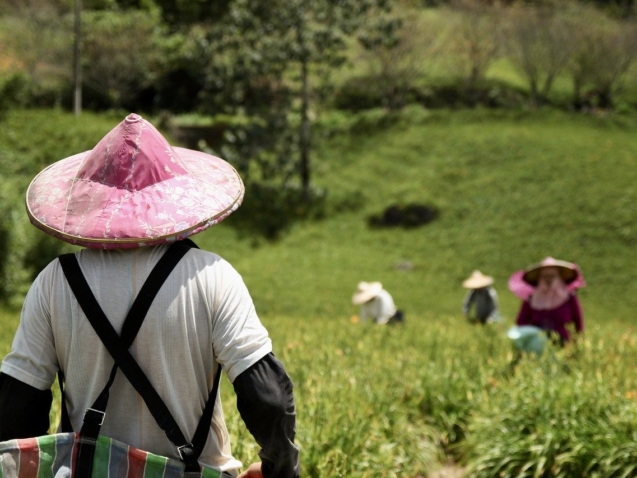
(118, 348)
(201, 433)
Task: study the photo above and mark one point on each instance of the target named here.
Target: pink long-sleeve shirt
(554, 319)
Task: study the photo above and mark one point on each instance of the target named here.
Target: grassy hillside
(511, 187)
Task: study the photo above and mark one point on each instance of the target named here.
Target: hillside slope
(512, 188)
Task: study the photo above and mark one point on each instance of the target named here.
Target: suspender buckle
(94, 416)
(186, 452)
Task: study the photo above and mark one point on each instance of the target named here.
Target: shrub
(461, 95)
(359, 93)
(29, 141)
(408, 215)
(17, 90)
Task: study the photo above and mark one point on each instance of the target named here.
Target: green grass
(512, 187)
(376, 401)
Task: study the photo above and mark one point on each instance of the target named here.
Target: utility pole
(77, 59)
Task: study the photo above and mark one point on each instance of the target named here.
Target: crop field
(382, 401)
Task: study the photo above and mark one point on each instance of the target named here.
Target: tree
(398, 52)
(537, 40)
(606, 50)
(476, 39)
(625, 8)
(118, 51)
(36, 35)
(177, 14)
(266, 57)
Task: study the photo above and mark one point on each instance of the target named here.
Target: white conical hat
(366, 291)
(477, 280)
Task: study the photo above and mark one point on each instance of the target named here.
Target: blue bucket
(528, 338)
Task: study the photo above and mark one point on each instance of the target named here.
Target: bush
(407, 216)
(365, 93)
(17, 90)
(29, 141)
(359, 93)
(459, 95)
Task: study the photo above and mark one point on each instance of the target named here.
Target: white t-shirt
(202, 316)
(381, 308)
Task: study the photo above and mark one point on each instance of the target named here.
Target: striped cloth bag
(51, 456)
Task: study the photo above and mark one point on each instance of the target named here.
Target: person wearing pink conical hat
(549, 300)
(481, 301)
(131, 202)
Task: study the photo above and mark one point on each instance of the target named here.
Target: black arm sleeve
(24, 410)
(266, 404)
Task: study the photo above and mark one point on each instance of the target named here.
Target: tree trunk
(536, 99)
(305, 132)
(577, 93)
(77, 59)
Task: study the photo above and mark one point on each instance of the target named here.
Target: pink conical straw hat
(523, 287)
(133, 189)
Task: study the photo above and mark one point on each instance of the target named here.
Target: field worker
(481, 302)
(131, 202)
(549, 299)
(376, 304)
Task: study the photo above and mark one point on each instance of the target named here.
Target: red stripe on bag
(74, 455)
(136, 463)
(29, 458)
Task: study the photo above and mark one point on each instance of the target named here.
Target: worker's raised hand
(253, 471)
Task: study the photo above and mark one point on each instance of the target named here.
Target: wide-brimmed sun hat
(477, 280)
(133, 189)
(567, 271)
(366, 291)
(523, 282)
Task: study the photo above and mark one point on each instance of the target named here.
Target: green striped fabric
(52, 456)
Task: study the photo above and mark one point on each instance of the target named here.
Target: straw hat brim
(567, 270)
(92, 214)
(367, 294)
(478, 282)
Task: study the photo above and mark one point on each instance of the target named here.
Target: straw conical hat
(477, 280)
(366, 291)
(133, 189)
(567, 270)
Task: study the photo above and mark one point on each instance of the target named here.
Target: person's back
(122, 200)
(380, 309)
(484, 304)
(202, 304)
(481, 298)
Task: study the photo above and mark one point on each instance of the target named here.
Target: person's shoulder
(212, 262)
(208, 257)
(205, 256)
